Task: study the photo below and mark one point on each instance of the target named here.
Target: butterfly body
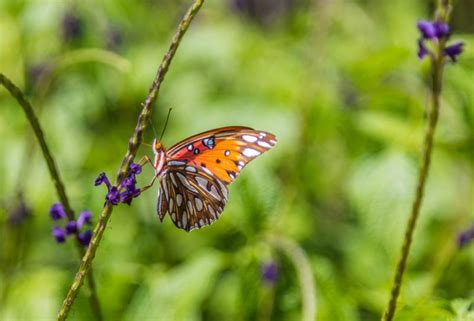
(195, 172)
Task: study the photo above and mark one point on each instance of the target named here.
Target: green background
(340, 85)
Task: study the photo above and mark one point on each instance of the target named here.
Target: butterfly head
(160, 155)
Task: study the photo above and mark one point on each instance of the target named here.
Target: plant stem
(55, 177)
(133, 145)
(436, 78)
(301, 263)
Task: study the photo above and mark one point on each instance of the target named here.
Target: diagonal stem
(133, 145)
(55, 177)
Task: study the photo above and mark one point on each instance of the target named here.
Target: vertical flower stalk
(55, 177)
(432, 44)
(126, 166)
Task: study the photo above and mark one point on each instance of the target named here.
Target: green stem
(54, 173)
(301, 263)
(133, 145)
(436, 78)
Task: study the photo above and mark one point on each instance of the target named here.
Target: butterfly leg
(149, 185)
(146, 160)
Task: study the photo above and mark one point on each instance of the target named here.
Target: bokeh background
(337, 81)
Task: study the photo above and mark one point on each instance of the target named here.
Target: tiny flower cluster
(126, 191)
(465, 237)
(434, 32)
(71, 227)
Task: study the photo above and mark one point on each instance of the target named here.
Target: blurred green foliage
(338, 82)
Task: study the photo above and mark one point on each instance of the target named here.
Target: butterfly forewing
(192, 196)
(224, 151)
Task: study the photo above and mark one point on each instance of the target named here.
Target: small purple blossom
(85, 237)
(427, 29)
(126, 191)
(441, 29)
(102, 178)
(269, 273)
(72, 26)
(71, 227)
(59, 234)
(454, 50)
(57, 212)
(135, 168)
(422, 50)
(465, 237)
(84, 217)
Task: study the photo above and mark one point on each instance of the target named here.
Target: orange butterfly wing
(223, 151)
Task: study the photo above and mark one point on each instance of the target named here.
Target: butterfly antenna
(153, 127)
(166, 123)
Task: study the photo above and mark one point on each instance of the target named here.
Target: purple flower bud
(113, 196)
(465, 237)
(129, 182)
(454, 51)
(84, 217)
(85, 238)
(422, 50)
(427, 29)
(72, 26)
(441, 29)
(269, 273)
(135, 168)
(102, 178)
(57, 212)
(71, 227)
(127, 196)
(59, 234)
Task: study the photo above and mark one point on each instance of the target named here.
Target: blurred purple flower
(465, 237)
(433, 31)
(71, 227)
(84, 217)
(59, 234)
(422, 50)
(85, 237)
(114, 38)
(19, 213)
(57, 212)
(72, 26)
(135, 168)
(454, 51)
(269, 273)
(427, 29)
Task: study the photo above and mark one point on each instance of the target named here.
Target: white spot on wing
(264, 144)
(198, 203)
(176, 163)
(179, 199)
(250, 152)
(191, 169)
(250, 139)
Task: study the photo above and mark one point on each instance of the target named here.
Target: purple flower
(72, 26)
(85, 237)
(465, 237)
(57, 212)
(102, 178)
(441, 29)
(422, 50)
(59, 234)
(113, 196)
(84, 217)
(127, 196)
(427, 29)
(454, 51)
(135, 168)
(71, 227)
(269, 273)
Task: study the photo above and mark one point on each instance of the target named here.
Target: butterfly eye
(157, 145)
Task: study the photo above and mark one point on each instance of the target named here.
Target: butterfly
(194, 173)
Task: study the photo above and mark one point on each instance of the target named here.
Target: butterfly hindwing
(193, 196)
(223, 151)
